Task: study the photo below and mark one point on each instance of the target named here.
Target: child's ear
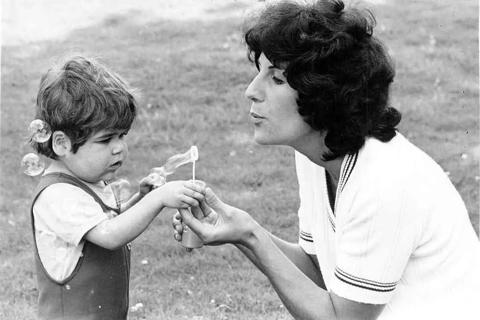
(61, 143)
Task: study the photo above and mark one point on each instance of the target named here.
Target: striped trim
(332, 222)
(347, 170)
(364, 283)
(306, 236)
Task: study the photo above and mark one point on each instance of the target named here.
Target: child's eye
(104, 140)
(277, 80)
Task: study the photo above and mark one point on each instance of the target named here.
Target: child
(81, 240)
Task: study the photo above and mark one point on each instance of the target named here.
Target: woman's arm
(300, 294)
(308, 264)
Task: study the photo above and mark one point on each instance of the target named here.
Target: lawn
(191, 75)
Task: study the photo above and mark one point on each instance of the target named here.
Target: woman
(383, 232)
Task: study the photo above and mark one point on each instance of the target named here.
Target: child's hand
(181, 194)
(146, 185)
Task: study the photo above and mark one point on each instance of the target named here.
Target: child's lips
(116, 165)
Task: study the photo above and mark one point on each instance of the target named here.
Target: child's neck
(57, 166)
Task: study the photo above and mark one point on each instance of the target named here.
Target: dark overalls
(97, 287)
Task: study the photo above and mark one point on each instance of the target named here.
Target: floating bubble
(158, 176)
(39, 131)
(136, 307)
(121, 189)
(32, 165)
(180, 159)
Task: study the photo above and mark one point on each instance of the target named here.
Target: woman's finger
(197, 212)
(177, 236)
(205, 208)
(192, 222)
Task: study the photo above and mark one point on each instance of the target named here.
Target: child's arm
(118, 231)
(146, 185)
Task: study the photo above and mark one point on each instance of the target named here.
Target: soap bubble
(121, 189)
(32, 165)
(158, 176)
(180, 159)
(136, 307)
(39, 131)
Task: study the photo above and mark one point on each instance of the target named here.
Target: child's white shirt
(63, 214)
(399, 234)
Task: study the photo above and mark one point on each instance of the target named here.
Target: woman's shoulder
(396, 158)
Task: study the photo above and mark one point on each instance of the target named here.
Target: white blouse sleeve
(305, 239)
(375, 239)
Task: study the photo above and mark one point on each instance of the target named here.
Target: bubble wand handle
(190, 239)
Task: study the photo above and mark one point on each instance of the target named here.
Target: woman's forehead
(263, 61)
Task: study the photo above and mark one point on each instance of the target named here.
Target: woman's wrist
(255, 235)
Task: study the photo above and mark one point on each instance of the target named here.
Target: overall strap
(58, 177)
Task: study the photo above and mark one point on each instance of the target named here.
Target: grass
(191, 76)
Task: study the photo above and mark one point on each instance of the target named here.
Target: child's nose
(118, 146)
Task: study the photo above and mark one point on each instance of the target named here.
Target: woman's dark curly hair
(341, 72)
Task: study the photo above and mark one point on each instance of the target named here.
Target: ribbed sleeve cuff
(360, 289)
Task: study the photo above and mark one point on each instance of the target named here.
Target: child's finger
(190, 202)
(193, 194)
(177, 222)
(197, 185)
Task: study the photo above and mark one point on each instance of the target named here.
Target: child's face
(100, 157)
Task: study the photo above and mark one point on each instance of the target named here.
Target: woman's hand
(216, 222)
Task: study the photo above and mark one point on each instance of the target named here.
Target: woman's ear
(61, 143)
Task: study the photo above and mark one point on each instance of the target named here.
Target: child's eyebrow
(107, 134)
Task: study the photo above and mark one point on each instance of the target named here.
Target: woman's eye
(277, 80)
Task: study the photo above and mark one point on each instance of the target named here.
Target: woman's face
(274, 110)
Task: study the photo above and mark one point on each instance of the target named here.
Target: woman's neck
(313, 148)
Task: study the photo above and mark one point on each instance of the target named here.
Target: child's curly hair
(341, 72)
(81, 97)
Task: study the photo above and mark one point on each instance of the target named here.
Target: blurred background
(188, 62)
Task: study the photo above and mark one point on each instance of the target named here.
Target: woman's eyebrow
(275, 67)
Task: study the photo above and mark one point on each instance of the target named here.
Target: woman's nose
(254, 91)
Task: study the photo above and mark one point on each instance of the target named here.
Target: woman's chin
(262, 139)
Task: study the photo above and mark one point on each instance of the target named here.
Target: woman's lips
(255, 117)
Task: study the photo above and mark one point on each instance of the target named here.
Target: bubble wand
(159, 176)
